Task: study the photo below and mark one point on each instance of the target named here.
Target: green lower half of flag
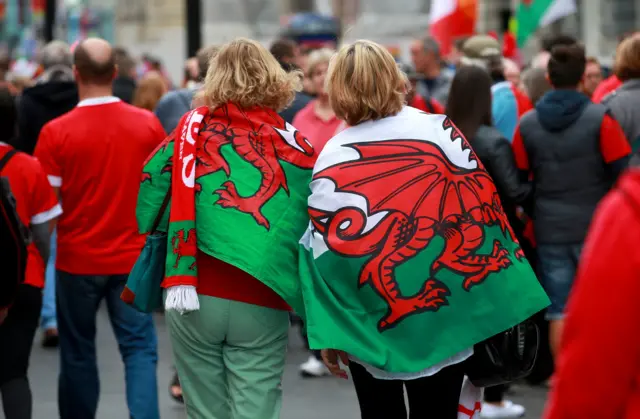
(342, 313)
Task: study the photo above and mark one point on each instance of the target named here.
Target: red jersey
(94, 154)
(36, 203)
(607, 86)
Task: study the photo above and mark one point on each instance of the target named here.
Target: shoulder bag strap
(5, 159)
(161, 212)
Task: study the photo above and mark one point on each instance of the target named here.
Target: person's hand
(3, 314)
(330, 357)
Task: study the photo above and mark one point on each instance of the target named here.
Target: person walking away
(606, 389)
(435, 80)
(37, 208)
(382, 196)
(169, 111)
(228, 293)
(469, 107)
(575, 151)
(92, 156)
(624, 102)
(53, 95)
(175, 104)
(125, 83)
(149, 91)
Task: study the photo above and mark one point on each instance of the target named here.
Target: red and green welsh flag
(250, 187)
(409, 258)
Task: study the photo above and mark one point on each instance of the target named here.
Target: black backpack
(14, 239)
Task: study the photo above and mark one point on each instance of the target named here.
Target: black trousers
(435, 397)
(16, 340)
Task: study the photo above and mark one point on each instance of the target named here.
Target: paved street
(325, 398)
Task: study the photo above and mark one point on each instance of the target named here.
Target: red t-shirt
(613, 144)
(316, 129)
(95, 154)
(36, 203)
(607, 86)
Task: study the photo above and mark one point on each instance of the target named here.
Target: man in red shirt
(37, 208)
(93, 156)
(574, 150)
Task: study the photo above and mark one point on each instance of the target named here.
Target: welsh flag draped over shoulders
(409, 258)
(250, 186)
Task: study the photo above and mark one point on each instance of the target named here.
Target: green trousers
(230, 358)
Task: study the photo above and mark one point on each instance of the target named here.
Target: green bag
(143, 290)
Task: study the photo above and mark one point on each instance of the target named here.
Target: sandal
(175, 390)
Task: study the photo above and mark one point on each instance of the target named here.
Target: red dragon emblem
(424, 195)
(263, 145)
(184, 246)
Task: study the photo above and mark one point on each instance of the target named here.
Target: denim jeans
(48, 314)
(557, 266)
(78, 298)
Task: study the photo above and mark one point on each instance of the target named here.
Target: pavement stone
(320, 398)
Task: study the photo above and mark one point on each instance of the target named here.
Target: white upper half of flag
(441, 8)
(409, 124)
(557, 10)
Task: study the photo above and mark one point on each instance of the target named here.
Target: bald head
(95, 61)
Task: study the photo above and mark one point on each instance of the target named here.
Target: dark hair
(204, 56)
(469, 103)
(125, 63)
(551, 41)
(8, 115)
(566, 66)
(92, 71)
(283, 49)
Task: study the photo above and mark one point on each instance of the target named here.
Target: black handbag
(505, 357)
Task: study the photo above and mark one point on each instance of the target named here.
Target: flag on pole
(533, 14)
(451, 19)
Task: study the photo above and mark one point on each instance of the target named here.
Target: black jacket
(37, 106)
(300, 101)
(124, 88)
(496, 154)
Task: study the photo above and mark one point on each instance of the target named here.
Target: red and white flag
(452, 19)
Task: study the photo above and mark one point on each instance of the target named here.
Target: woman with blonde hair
(237, 176)
(409, 260)
(149, 91)
(317, 120)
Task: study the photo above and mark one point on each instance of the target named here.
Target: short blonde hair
(365, 83)
(318, 57)
(243, 72)
(627, 65)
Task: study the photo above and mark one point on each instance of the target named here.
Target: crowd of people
(556, 138)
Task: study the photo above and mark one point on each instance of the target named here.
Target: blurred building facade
(157, 26)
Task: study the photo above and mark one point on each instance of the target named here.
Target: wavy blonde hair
(364, 83)
(245, 73)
